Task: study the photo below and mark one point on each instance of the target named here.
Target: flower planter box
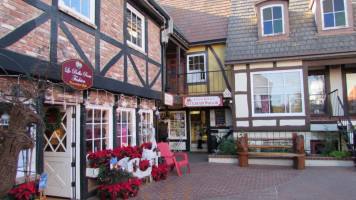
(92, 172)
(309, 161)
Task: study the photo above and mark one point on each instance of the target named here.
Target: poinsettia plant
(135, 183)
(24, 191)
(144, 164)
(147, 145)
(100, 157)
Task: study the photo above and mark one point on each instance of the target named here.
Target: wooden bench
(296, 143)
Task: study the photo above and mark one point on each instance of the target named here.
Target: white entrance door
(57, 151)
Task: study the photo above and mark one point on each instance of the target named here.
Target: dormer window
(334, 13)
(332, 16)
(272, 19)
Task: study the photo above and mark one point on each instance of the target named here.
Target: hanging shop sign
(77, 74)
(204, 101)
(168, 99)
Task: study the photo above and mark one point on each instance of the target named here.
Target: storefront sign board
(202, 101)
(77, 74)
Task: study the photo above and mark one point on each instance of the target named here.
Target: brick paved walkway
(228, 181)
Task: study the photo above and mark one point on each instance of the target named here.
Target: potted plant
(125, 190)
(156, 173)
(109, 191)
(26, 191)
(163, 168)
(144, 164)
(135, 184)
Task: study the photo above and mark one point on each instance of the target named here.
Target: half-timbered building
(109, 54)
(197, 77)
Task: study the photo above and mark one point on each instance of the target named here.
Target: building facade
(200, 78)
(290, 60)
(117, 45)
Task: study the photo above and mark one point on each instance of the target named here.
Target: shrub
(340, 154)
(227, 146)
(329, 147)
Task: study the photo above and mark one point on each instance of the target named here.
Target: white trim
(196, 71)
(283, 19)
(77, 14)
(132, 122)
(130, 44)
(277, 114)
(110, 122)
(335, 27)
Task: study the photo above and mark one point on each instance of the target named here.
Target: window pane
(327, 6)
(329, 20)
(66, 2)
(260, 80)
(277, 12)
(316, 86)
(292, 78)
(340, 19)
(278, 26)
(75, 5)
(351, 92)
(267, 14)
(339, 5)
(282, 94)
(85, 9)
(276, 79)
(267, 27)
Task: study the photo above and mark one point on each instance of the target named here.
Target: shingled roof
(200, 20)
(243, 45)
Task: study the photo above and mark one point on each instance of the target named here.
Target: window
(277, 93)
(145, 126)
(98, 129)
(333, 13)
(272, 20)
(135, 28)
(84, 8)
(316, 85)
(196, 68)
(126, 127)
(351, 92)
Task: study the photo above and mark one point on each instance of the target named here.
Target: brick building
(120, 43)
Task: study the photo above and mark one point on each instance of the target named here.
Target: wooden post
(299, 162)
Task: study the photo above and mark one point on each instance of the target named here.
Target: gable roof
(200, 20)
(243, 45)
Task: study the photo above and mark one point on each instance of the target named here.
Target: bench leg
(242, 160)
(299, 162)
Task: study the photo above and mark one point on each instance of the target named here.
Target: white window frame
(131, 44)
(132, 123)
(277, 114)
(71, 11)
(335, 27)
(192, 75)
(147, 125)
(110, 124)
(283, 20)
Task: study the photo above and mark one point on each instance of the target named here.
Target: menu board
(220, 117)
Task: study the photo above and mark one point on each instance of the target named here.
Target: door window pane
(351, 92)
(316, 85)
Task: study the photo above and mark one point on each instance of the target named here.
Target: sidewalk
(228, 181)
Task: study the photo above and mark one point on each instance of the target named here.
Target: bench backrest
(296, 143)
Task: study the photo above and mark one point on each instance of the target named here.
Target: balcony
(198, 83)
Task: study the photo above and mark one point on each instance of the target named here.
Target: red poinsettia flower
(144, 164)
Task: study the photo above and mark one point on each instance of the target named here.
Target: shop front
(198, 126)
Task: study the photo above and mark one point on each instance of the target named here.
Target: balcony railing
(199, 83)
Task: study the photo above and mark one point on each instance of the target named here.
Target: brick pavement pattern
(214, 181)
